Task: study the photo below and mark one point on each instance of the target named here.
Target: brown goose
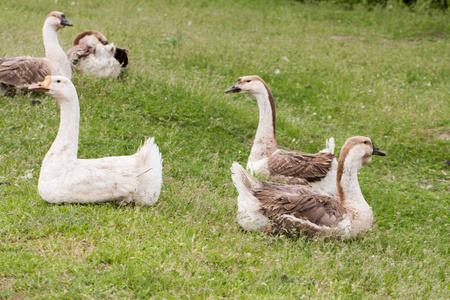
(317, 170)
(281, 208)
(92, 54)
(20, 72)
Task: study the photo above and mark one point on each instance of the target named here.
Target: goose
(302, 210)
(19, 72)
(64, 178)
(92, 54)
(317, 170)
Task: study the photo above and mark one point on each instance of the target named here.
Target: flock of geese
(305, 194)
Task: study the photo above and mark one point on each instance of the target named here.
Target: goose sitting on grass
(19, 72)
(92, 54)
(302, 210)
(66, 179)
(317, 170)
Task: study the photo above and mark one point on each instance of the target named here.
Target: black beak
(377, 151)
(64, 21)
(233, 89)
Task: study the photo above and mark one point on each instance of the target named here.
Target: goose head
(360, 149)
(57, 20)
(58, 87)
(252, 85)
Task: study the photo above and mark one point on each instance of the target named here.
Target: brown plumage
(22, 71)
(277, 202)
(294, 209)
(101, 38)
(311, 167)
(303, 203)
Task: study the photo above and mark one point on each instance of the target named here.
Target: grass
(334, 71)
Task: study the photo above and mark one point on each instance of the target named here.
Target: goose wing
(312, 167)
(303, 203)
(80, 51)
(23, 71)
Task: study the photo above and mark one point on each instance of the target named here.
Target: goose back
(23, 71)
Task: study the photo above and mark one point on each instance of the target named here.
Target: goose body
(293, 167)
(19, 72)
(302, 210)
(92, 54)
(66, 179)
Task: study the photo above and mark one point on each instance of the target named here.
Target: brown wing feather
(22, 71)
(79, 51)
(312, 167)
(323, 210)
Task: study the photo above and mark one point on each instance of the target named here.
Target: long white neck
(60, 64)
(351, 197)
(265, 142)
(65, 146)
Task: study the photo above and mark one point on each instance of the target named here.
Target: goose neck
(54, 52)
(265, 139)
(357, 209)
(65, 146)
(347, 183)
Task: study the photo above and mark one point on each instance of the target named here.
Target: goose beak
(377, 151)
(64, 21)
(233, 89)
(42, 86)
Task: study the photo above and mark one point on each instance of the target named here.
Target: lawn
(334, 70)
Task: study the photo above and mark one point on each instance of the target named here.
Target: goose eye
(248, 81)
(365, 142)
(58, 81)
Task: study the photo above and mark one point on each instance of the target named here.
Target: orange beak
(43, 86)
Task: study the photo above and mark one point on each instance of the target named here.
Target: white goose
(66, 179)
(317, 170)
(92, 54)
(20, 72)
(281, 208)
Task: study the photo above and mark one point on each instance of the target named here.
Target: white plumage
(66, 179)
(101, 63)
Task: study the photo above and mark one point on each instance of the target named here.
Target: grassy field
(334, 71)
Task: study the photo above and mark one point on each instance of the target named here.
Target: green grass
(343, 71)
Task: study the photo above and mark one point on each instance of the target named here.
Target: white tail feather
(249, 210)
(329, 148)
(151, 160)
(242, 180)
